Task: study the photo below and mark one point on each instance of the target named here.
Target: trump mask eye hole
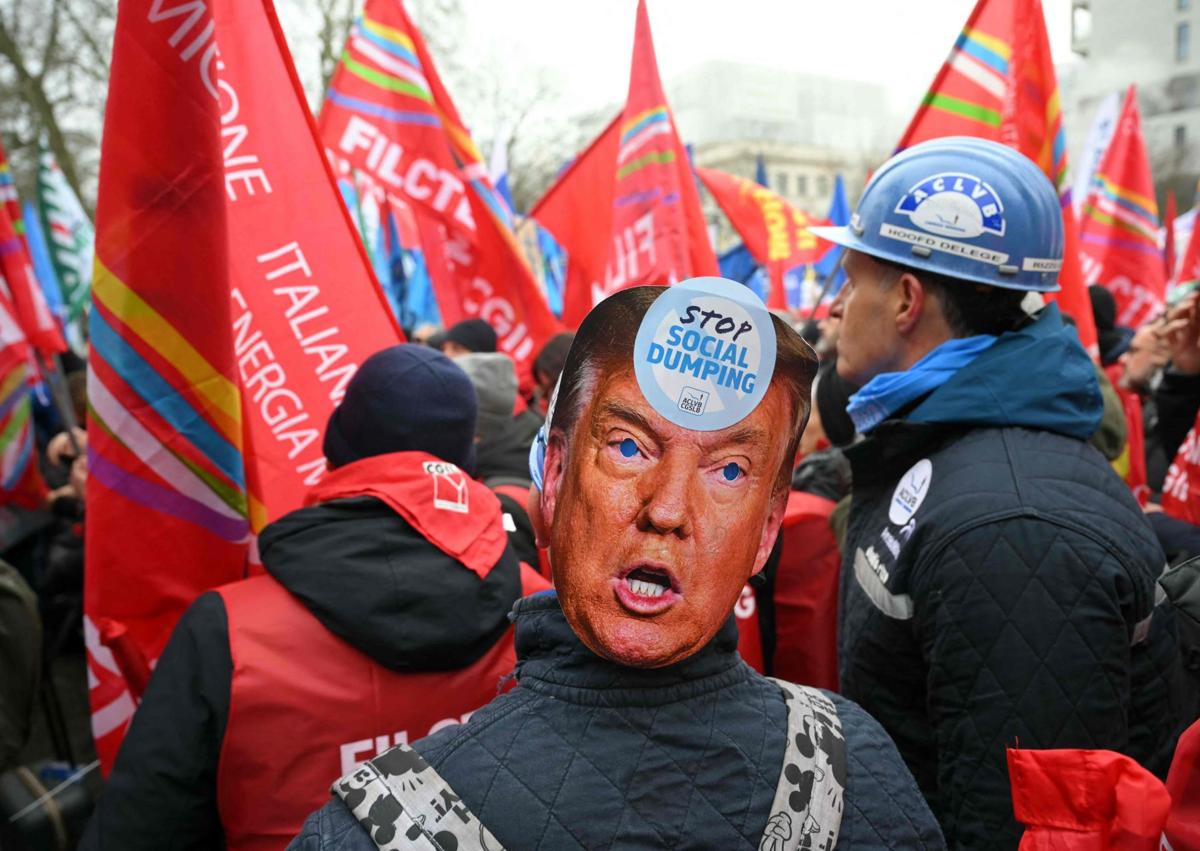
(732, 471)
(628, 447)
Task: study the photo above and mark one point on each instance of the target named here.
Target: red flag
(23, 293)
(642, 187)
(775, 232)
(1169, 236)
(998, 83)
(1119, 227)
(1189, 267)
(387, 114)
(21, 480)
(228, 278)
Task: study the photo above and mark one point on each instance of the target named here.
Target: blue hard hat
(962, 207)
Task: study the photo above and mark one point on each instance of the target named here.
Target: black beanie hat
(402, 399)
(473, 334)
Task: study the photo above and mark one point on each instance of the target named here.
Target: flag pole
(52, 373)
(837, 265)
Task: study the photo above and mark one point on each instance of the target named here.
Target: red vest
(305, 707)
(806, 594)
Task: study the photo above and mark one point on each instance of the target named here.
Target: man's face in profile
(656, 528)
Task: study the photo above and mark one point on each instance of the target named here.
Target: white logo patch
(953, 204)
(910, 492)
(449, 486)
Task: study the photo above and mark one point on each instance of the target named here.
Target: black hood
(503, 448)
(373, 581)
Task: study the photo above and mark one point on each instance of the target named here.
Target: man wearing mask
(635, 724)
(998, 578)
(382, 616)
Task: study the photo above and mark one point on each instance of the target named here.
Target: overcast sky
(583, 46)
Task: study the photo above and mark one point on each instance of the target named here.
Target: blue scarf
(888, 392)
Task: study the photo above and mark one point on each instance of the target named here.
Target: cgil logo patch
(705, 353)
(954, 204)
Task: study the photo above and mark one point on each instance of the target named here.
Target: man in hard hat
(998, 579)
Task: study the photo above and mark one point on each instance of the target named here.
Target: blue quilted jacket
(588, 754)
(998, 585)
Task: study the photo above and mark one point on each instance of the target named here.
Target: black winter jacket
(368, 577)
(590, 754)
(998, 585)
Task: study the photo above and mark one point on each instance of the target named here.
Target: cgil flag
(641, 217)
(775, 232)
(387, 114)
(998, 83)
(1119, 227)
(69, 234)
(227, 320)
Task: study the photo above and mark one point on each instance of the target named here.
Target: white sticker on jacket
(910, 492)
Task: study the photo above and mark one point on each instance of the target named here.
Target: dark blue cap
(406, 398)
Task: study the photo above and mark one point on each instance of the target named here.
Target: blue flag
(839, 214)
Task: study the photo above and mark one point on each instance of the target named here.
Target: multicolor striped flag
(232, 304)
(1119, 229)
(387, 115)
(775, 232)
(999, 83)
(642, 222)
(70, 236)
(21, 287)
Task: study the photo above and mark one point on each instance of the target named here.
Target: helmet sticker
(705, 353)
(940, 243)
(953, 204)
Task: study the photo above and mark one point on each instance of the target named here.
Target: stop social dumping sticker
(704, 353)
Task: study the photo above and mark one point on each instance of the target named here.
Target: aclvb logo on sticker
(705, 353)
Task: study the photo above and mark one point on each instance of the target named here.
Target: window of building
(1183, 5)
(822, 186)
(782, 184)
(1183, 41)
(1180, 136)
(802, 184)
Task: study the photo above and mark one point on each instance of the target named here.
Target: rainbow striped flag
(998, 83)
(1119, 226)
(627, 211)
(388, 117)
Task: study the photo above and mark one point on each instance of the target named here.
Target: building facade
(807, 129)
(1155, 45)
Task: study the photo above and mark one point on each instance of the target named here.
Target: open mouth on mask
(647, 589)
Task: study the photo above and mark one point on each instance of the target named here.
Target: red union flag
(639, 183)
(1119, 226)
(231, 304)
(24, 296)
(775, 232)
(998, 83)
(387, 115)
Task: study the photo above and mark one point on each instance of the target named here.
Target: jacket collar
(552, 660)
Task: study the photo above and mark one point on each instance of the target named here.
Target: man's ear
(770, 530)
(913, 301)
(552, 475)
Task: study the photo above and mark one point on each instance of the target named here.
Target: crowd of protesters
(969, 537)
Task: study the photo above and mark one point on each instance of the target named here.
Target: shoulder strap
(807, 810)
(402, 803)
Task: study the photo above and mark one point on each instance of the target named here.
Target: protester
(635, 724)
(503, 434)
(502, 440)
(463, 338)
(382, 615)
(998, 579)
(548, 365)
